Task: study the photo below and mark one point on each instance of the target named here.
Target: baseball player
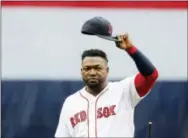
(103, 108)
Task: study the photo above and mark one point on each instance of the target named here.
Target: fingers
(119, 38)
(123, 37)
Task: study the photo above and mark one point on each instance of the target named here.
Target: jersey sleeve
(62, 128)
(130, 91)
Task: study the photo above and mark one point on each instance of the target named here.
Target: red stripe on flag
(100, 4)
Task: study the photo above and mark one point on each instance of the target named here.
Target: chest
(105, 106)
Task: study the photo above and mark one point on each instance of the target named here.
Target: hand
(124, 42)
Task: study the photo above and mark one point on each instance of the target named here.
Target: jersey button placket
(92, 118)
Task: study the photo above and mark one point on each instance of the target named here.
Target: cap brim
(111, 38)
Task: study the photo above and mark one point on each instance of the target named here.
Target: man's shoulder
(123, 80)
(124, 83)
(74, 96)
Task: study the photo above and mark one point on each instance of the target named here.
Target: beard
(93, 84)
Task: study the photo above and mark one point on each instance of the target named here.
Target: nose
(92, 72)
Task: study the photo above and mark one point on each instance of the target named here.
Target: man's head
(94, 68)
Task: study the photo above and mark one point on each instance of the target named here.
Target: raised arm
(148, 73)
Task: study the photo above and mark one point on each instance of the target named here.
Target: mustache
(92, 78)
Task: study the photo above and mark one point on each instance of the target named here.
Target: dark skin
(94, 73)
(95, 69)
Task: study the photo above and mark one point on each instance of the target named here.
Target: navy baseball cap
(100, 27)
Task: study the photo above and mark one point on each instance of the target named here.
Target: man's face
(94, 71)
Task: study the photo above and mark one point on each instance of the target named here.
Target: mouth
(93, 80)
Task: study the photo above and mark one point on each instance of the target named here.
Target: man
(103, 108)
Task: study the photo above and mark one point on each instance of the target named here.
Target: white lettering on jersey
(110, 114)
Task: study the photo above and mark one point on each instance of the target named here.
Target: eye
(94, 67)
(86, 68)
(98, 68)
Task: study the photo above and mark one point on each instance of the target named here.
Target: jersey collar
(90, 96)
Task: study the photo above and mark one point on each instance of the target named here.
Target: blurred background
(41, 57)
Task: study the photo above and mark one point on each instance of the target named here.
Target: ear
(81, 71)
(108, 69)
